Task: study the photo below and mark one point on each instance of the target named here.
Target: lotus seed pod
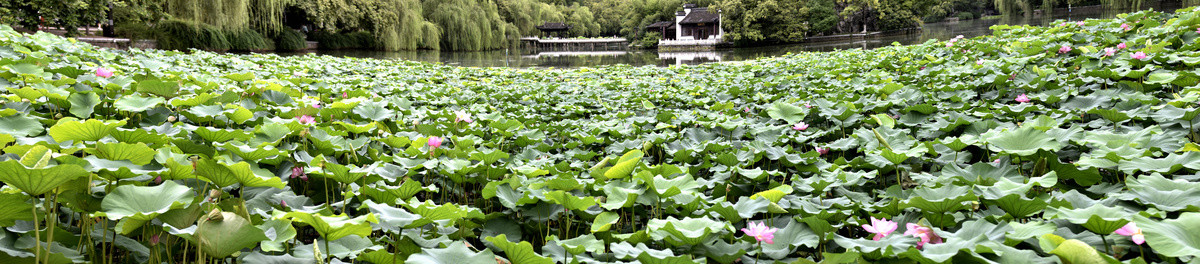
(58, 116)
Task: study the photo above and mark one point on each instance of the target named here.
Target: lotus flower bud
(172, 119)
(58, 116)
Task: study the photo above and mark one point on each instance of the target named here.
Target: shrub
(354, 40)
(965, 16)
(290, 40)
(182, 35)
(247, 40)
(134, 30)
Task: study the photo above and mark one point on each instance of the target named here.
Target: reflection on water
(940, 31)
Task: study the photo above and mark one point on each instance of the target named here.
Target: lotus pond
(1073, 143)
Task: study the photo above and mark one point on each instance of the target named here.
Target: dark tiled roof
(680, 13)
(554, 26)
(700, 15)
(661, 24)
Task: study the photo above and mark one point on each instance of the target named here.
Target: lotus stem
(37, 233)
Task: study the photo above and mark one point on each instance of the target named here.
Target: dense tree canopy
(497, 24)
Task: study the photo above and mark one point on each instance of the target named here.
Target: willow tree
(268, 15)
(401, 25)
(223, 14)
(468, 24)
(1012, 7)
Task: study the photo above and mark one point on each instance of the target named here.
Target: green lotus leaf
(786, 112)
(1179, 237)
(373, 111)
(221, 234)
(221, 135)
(604, 221)
(455, 253)
(132, 136)
(83, 104)
(135, 103)
(518, 253)
(14, 207)
(1023, 231)
(136, 205)
(1097, 218)
(789, 239)
(334, 227)
(581, 244)
(158, 87)
(238, 114)
(394, 219)
(138, 154)
(277, 233)
(1024, 141)
(68, 129)
(225, 175)
(1074, 251)
(686, 231)
(745, 208)
(38, 181)
(20, 125)
(1168, 164)
(888, 245)
(625, 165)
(570, 201)
(1164, 194)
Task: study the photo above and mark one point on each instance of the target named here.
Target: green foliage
(335, 41)
(247, 40)
(134, 30)
(290, 40)
(183, 35)
(279, 158)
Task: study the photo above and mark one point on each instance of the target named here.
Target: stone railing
(689, 42)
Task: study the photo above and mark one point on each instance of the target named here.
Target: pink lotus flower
(997, 161)
(979, 62)
(345, 95)
(434, 142)
(104, 73)
(880, 227)
(747, 109)
(822, 151)
(1063, 24)
(158, 180)
(316, 105)
(1079, 23)
(924, 233)
(959, 37)
(949, 44)
(1132, 230)
(297, 74)
(1109, 52)
(1138, 55)
(283, 203)
(306, 120)
(462, 116)
(154, 240)
(298, 172)
(760, 232)
(800, 126)
(1126, 27)
(806, 105)
(1197, 30)
(1121, 46)
(1023, 98)
(1064, 49)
